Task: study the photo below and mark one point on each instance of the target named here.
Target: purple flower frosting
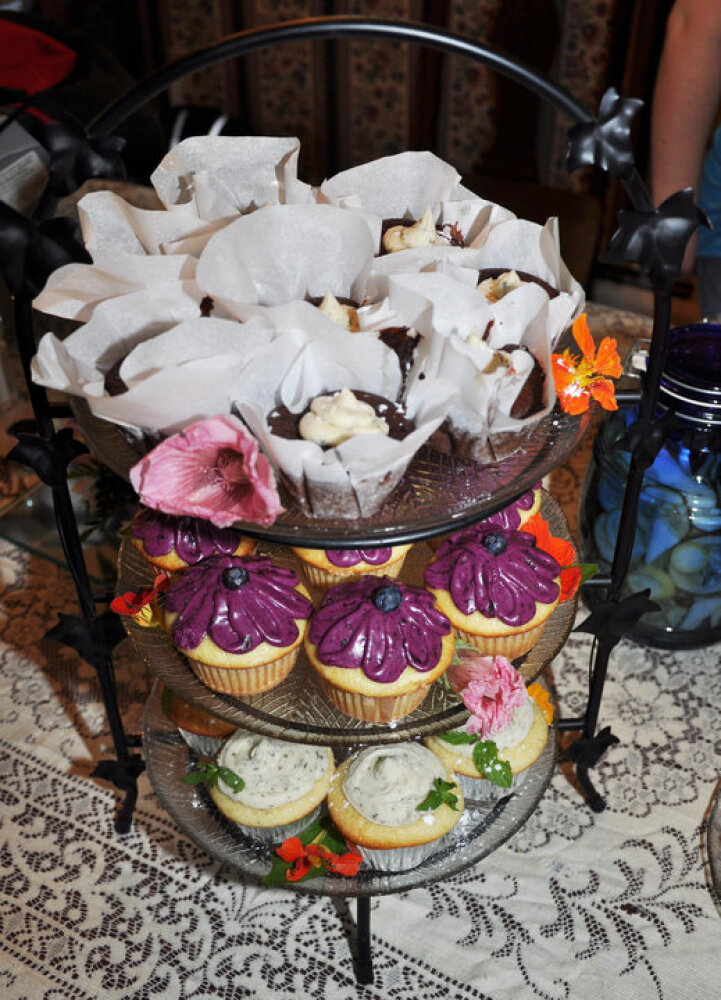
(380, 626)
(192, 538)
(509, 517)
(351, 557)
(497, 572)
(238, 602)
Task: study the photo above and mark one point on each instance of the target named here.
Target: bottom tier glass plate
(480, 831)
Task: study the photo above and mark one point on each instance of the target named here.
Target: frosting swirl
(333, 419)
(495, 571)
(351, 557)
(237, 602)
(192, 538)
(274, 771)
(380, 626)
(386, 784)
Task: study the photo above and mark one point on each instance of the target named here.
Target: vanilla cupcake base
(520, 756)
(244, 680)
(392, 848)
(357, 696)
(318, 572)
(491, 636)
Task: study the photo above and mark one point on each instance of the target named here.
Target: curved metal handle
(341, 27)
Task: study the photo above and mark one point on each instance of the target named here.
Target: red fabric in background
(30, 60)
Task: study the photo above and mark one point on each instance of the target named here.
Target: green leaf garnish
(209, 773)
(457, 737)
(588, 571)
(485, 757)
(231, 779)
(440, 793)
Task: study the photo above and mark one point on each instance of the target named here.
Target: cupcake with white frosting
(277, 788)
(505, 733)
(395, 803)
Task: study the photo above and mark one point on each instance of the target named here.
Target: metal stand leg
(91, 635)
(364, 958)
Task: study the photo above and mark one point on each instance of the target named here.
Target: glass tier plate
(438, 493)
(479, 832)
(713, 844)
(297, 710)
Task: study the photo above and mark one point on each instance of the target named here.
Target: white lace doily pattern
(577, 905)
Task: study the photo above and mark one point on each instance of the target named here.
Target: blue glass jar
(677, 549)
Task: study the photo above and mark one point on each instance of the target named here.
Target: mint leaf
(440, 793)
(485, 757)
(209, 774)
(203, 773)
(457, 738)
(231, 779)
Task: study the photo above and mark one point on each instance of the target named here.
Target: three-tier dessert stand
(437, 495)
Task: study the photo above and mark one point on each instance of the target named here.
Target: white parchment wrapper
(405, 185)
(286, 252)
(205, 182)
(188, 373)
(225, 176)
(75, 290)
(117, 325)
(352, 479)
(447, 312)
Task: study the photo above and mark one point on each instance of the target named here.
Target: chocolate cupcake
(495, 282)
(407, 234)
(336, 417)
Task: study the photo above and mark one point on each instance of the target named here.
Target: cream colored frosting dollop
(334, 419)
(487, 359)
(495, 288)
(274, 771)
(345, 316)
(421, 234)
(387, 784)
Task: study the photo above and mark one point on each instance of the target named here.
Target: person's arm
(685, 99)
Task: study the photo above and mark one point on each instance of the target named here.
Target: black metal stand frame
(603, 141)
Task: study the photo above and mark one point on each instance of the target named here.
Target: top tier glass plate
(439, 493)
(481, 830)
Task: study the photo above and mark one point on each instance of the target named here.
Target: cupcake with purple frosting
(239, 621)
(323, 568)
(513, 517)
(173, 543)
(377, 645)
(496, 587)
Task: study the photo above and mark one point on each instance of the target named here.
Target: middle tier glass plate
(296, 709)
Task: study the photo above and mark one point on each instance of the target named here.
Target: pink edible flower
(468, 665)
(213, 470)
(496, 691)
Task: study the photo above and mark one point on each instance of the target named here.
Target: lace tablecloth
(576, 905)
(616, 905)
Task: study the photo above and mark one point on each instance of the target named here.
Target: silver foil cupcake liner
(275, 835)
(399, 859)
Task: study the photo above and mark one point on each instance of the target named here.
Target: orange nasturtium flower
(542, 699)
(303, 857)
(577, 381)
(562, 551)
(140, 606)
